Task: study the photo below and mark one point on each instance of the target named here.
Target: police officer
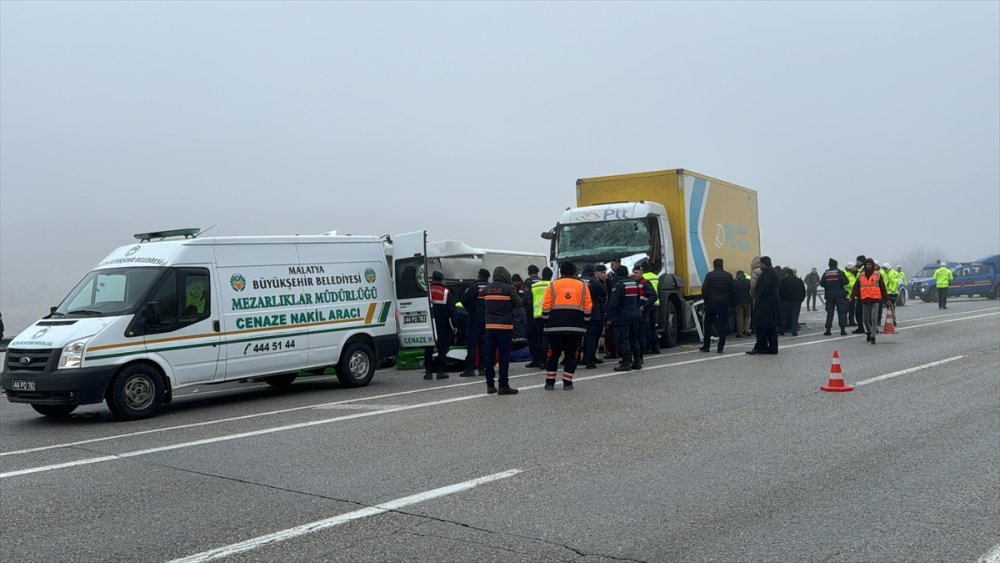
(475, 337)
(623, 308)
(534, 335)
(566, 308)
(599, 297)
(536, 329)
(646, 297)
(443, 313)
(652, 308)
(834, 282)
(942, 280)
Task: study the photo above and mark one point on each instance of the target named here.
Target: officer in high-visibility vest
(652, 308)
(870, 291)
(537, 342)
(942, 280)
(566, 308)
(850, 272)
(891, 280)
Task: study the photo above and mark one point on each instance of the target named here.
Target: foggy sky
(865, 127)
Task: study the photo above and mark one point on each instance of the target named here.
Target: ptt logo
(616, 213)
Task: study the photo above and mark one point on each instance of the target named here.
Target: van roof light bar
(186, 233)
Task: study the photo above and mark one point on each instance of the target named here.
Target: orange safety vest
(567, 306)
(869, 286)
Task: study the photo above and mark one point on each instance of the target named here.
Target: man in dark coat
(718, 292)
(792, 292)
(599, 296)
(833, 282)
(812, 285)
(500, 301)
(623, 308)
(766, 309)
(475, 335)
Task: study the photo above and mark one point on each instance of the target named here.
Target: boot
(597, 360)
(507, 391)
(469, 372)
(532, 364)
(843, 331)
(442, 375)
(491, 390)
(636, 361)
(550, 384)
(590, 365)
(827, 333)
(622, 367)
(567, 385)
(482, 372)
(428, 376)
(656, 348)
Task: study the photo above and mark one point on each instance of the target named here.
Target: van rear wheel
(136, 393)
(54, 410)
(357, 365)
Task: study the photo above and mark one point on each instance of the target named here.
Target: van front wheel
(136, 393)
(357, 365)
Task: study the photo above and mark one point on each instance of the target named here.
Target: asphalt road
(697, 457)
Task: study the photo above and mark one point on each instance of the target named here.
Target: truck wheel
(283, 380)
(670, 330)
(54, 410)
(357, 365)
(136, 393)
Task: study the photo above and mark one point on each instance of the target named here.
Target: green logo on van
(370, 275)
(238, 282)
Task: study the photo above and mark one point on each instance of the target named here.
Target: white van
(154, 317)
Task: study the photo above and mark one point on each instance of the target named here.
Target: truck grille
(19, 359)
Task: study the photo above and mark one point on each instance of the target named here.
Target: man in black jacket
(475, 338)
(833, 283)
(766, 309)
(500, 300)
(599, 296)
(793, 293)
(718, 292)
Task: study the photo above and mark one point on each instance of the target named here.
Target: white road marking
(906, 371)
(311, 527)
(991, 556)
(477, 381)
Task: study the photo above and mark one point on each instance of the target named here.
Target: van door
(413, 303)
(180, 323)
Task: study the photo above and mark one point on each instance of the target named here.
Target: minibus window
(109, 292)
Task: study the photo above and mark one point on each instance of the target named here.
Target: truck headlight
(72, 354)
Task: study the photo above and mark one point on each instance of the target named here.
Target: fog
(865, 127)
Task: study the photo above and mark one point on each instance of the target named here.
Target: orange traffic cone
(890, 322)
(836, 383)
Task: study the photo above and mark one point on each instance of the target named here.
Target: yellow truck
(678, 220)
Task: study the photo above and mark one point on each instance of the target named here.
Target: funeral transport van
(179, 311)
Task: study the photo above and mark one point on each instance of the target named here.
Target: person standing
(475, 338)
(534, 329)
(500, 299)
(442, 314)
(812, 287)
(652, 308)
(718, 289)
(594, 279)
(903, 281)
(566, 308)
(519, 339)
(792, 292)
(645, 296)
(855, 305)
(834, 284)
(623, 308)
(537, 333)
(870, 292)
(766, 309)
(610, 331)
(743, 303)
(891, 279)
(942, 281)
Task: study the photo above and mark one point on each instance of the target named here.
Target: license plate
(23, 385)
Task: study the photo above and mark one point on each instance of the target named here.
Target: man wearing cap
(475, 337)
(442, 312)
(537, 334)
(834, 283)
(623, 308)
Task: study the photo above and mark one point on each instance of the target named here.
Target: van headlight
(72, 354)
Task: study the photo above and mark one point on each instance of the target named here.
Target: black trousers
(767, 340)
(942, 293)
(628, 342)
(594, 329)
(566, 345)
(432, 364)
(836, 303)
(717, 317)
(811, 299)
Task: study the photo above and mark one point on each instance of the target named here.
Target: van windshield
(603, 240)
(107, 293)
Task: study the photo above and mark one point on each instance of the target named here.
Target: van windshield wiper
(88, 312)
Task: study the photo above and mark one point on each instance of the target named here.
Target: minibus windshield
(106, 293)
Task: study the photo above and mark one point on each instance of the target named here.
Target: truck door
(413, 303)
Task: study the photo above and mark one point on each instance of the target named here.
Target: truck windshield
(111, 292)
(602, 240)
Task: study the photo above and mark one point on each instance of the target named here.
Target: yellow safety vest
(655, 280)
(538, 295)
